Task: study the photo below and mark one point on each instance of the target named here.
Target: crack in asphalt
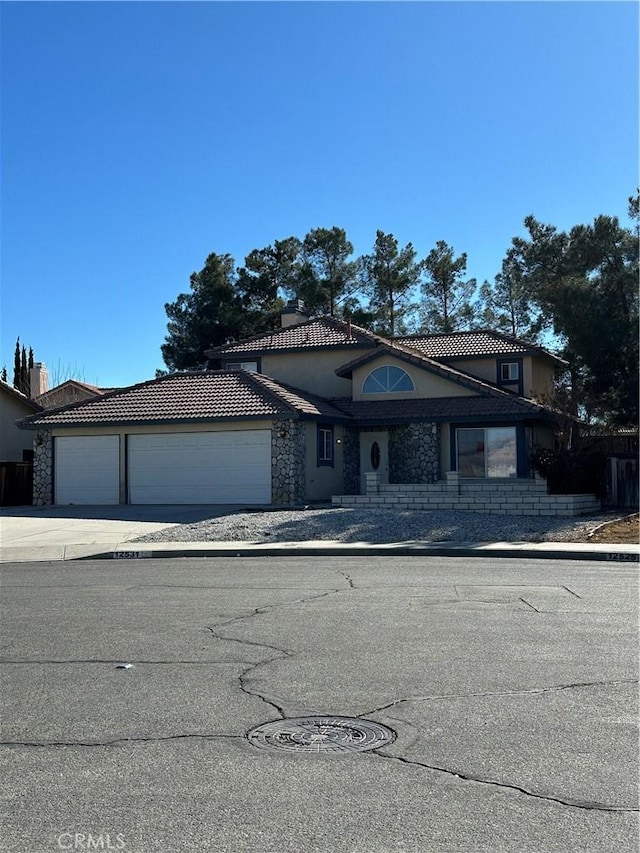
(118, 741)
(347, 578)
(282, 654)
(527, 692)
(524, 601)
(576, 804)
(571, 591)
(117, 661)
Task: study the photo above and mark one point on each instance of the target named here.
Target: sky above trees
(138, 138)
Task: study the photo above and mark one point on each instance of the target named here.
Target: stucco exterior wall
(13, 440)
(323, 481)
(482, 368)
(313, 371)
(426, 384)
(542, 381)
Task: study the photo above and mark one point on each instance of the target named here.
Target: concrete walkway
(39, 534)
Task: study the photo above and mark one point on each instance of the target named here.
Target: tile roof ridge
(268, 333)
(251, 379)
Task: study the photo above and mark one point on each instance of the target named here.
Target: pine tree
(24, 373)
(16, 366)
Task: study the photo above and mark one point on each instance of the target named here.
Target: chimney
(293, 314)
(39, 379)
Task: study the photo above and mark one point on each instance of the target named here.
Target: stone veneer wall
(351, 461)
(287, 463)
(43, 468)
(414, 453)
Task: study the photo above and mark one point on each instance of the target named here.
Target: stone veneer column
(288, 446)
(414, 453)
(43, 468)
(351, 461)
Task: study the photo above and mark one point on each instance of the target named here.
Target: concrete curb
(321, 548)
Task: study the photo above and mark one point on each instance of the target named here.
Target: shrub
(571, 472)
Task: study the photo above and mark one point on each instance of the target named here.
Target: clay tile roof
(441, 408)
(321, 332)
(472, 344)
(184, 397)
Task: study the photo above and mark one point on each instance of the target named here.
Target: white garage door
(200, 468)
(87, 469)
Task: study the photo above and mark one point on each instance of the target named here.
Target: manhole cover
(321, 734)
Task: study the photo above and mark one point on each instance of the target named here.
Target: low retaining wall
(501, 497)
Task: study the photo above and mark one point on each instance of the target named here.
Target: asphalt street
(510, 685)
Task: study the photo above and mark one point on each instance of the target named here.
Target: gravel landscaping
(372, 525)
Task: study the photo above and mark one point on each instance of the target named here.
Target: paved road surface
(511, 686)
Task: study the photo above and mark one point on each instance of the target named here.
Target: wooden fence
(16, 483)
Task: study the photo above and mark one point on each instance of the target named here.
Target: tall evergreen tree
(16, 365)
(447, 296)
(390, 276)
(267, 274)
(24, 373)
(3, 374)
(326, 275)
(507, 305)
(585, 282)
(206, 316)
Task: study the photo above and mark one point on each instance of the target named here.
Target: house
(316, 409)
(16, 446)
(69, 391)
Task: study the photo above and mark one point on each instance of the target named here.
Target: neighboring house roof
(19, 396)
(191, 397)
(70, 387)
(323, 332)
(509, 406)
(476, 344)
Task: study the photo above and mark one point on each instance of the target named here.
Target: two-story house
(305, 413)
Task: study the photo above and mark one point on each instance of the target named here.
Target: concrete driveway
(65, 532)
(511, 687)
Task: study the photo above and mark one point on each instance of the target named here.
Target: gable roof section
(321, 333)
(18, 396)
(478, 344)
(406, 354)
(190, 397)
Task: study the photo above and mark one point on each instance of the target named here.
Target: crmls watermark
(88, 841)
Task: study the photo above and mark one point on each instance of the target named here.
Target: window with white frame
(243, 365)
(387, 380)
(325, 446)
(509, 371)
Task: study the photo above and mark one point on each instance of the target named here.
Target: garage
(86, 469)
(225, 467)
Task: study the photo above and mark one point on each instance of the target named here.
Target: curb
(361, 550)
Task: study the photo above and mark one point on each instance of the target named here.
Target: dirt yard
(621, 531)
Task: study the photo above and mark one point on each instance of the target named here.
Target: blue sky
(139, 137)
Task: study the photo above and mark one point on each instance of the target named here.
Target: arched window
(387, 379)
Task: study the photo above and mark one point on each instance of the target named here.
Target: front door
(374, 456)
